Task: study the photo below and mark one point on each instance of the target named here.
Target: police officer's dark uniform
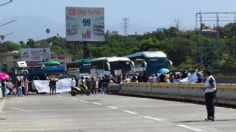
(210, 94)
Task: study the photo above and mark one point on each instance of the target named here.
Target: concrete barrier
(141, 89)
(226, 93)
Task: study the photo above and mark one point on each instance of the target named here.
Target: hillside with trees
(184, 48)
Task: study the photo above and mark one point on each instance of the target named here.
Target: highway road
(108, 113)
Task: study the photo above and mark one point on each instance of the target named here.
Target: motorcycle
(83, 89)
(75, 91)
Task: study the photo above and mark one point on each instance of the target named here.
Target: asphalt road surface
(108, 113)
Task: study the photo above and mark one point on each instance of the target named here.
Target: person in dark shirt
(3, 83)
(93, 86)
(145, 77)
(52, 84)
(19, 87)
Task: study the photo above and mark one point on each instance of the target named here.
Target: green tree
(30, 43)
(9, 46)
(4, 68)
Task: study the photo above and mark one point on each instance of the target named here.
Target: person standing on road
(26, 86)
(52, 84)
(210, 95)
(19, 87)
(73, 83)
(54, 90)
(3, 83)
(93, 86)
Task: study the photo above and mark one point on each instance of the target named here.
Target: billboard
(35, 54)
(84, 24)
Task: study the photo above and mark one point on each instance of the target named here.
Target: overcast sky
(33, 17)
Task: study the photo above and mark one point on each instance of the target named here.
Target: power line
(8, 23)
(2, 37)
(6, 3)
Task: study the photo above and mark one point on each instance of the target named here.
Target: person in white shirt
(210, 95)
(73, 82)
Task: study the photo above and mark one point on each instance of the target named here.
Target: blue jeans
(103, 89)
(19, 91)
(3, 91)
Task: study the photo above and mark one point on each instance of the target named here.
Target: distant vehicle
(111, 66)
(81, 66)
(150, 62)
(20, 70)
(38, 72)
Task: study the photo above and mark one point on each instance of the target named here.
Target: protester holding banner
(52, 84)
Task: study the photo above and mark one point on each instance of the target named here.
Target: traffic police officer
(210, 94)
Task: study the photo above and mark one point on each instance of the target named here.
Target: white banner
(84, 24)
(35, 54)
(62, 85)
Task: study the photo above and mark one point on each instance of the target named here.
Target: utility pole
(204, 18)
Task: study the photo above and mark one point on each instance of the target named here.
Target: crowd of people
(19, 88)
(171, 77)
(94, 85)
(100, 84)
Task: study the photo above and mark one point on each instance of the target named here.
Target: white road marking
(19, 109)
(191, 128)
(83, 101)
(2, 104)
(96, 103)
(112, 107)
(131, 112)
(218, 125)
(74, 98)
(153, 118)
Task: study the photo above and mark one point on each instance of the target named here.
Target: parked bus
(150, 62)
(111, 66)
(81, 66)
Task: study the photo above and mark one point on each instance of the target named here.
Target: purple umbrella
(3, 76)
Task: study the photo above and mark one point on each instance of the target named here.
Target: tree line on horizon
(186, 49)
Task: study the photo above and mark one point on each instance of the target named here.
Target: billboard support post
(85, 50)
